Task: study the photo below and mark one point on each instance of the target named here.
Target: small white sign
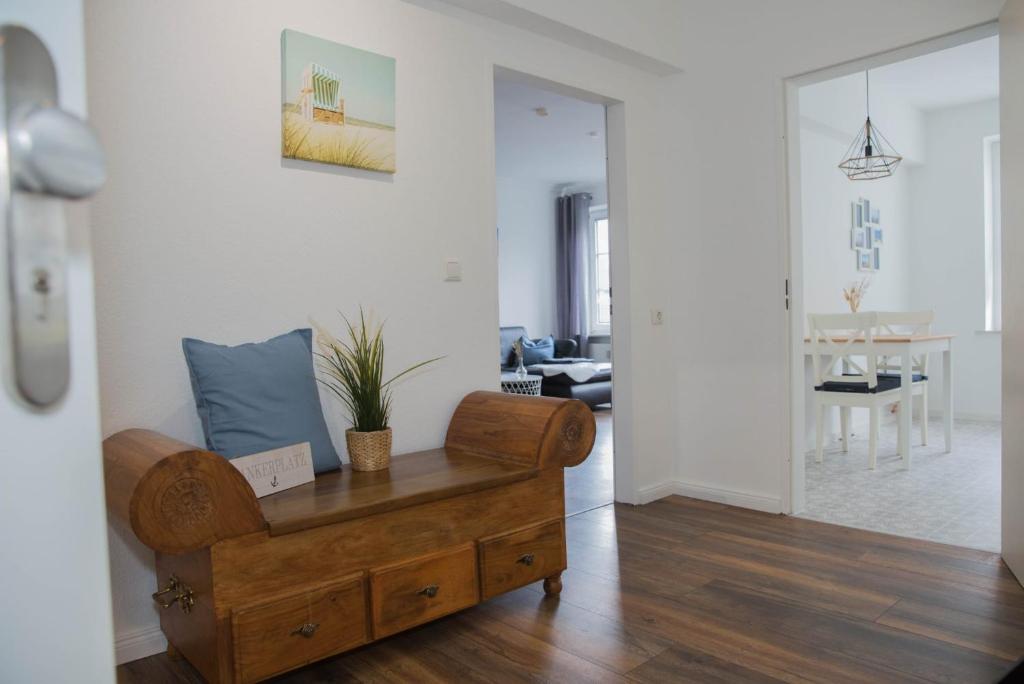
(273, 471)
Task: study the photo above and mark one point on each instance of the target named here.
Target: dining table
(906, 347)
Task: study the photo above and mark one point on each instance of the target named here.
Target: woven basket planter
(369, 450)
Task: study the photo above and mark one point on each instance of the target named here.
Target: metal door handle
(54, 153)
(51, 156)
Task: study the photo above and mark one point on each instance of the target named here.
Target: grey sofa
(509, 334)
(597, 390)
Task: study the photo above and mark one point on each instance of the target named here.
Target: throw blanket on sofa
(579, 372)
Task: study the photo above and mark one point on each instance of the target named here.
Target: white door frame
(792, 464)
(626, 490)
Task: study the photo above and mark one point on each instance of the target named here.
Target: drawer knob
(307, 630)
(430, 591)
(526, 559)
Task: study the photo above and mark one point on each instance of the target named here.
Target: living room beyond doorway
(554, 263)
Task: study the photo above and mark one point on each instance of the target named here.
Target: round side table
(512, 384)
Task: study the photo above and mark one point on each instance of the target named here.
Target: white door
(1011, 84)
(56, 621)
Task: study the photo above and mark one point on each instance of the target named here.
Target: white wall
(947, 256)
(204, 231)
(723, 260)
(837, 107)
(829, 262)
(526, 254)
(830, 114)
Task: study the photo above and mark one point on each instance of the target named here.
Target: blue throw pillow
(539, 351)
(259, 396)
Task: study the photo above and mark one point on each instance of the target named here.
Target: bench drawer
(282, 634)
(519, 558)
(414, 592)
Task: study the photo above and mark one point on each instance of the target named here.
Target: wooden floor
(683, 590)
(592, 483)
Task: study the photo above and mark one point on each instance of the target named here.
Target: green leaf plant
(354, 371)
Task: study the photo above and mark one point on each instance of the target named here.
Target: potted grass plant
(354, 371)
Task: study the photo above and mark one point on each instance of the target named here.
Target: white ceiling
(958, 75)
(557, 149)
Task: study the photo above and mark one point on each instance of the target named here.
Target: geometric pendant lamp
(870, 155)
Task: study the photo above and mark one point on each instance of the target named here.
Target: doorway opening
(921, 247)
(554, 262)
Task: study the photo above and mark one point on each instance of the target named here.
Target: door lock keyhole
(41, 285)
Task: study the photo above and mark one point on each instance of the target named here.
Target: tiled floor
(949, 498)
(592, 483)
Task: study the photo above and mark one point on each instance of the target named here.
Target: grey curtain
(572, 225)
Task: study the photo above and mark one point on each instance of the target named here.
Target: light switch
(452, 270)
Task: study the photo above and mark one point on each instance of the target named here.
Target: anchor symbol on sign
(273, 483)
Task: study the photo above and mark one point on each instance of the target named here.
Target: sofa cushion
(508, 335)
(886, 383)
(537, 351)
(603, 375)
(259, 396)
(565, 349)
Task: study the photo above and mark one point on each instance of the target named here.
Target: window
(600, 273)
(993, 236)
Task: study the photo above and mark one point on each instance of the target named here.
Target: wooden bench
(253, 588)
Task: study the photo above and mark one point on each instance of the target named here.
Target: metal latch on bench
(183, 595)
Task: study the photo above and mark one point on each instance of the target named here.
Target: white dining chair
(848, 340)
(909, 323)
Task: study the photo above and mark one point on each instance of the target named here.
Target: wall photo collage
(866, 235)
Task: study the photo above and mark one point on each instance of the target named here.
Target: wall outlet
(452, 270)
(657, 317)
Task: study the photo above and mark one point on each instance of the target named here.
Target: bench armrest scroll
(543, 432)
(176, 497)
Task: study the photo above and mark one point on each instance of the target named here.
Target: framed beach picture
(865, 260)
(875, 265)
(876, 236)
(337, 104)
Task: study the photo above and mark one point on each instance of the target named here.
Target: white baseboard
(659, 491)
(139, 643)
(757, 502)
